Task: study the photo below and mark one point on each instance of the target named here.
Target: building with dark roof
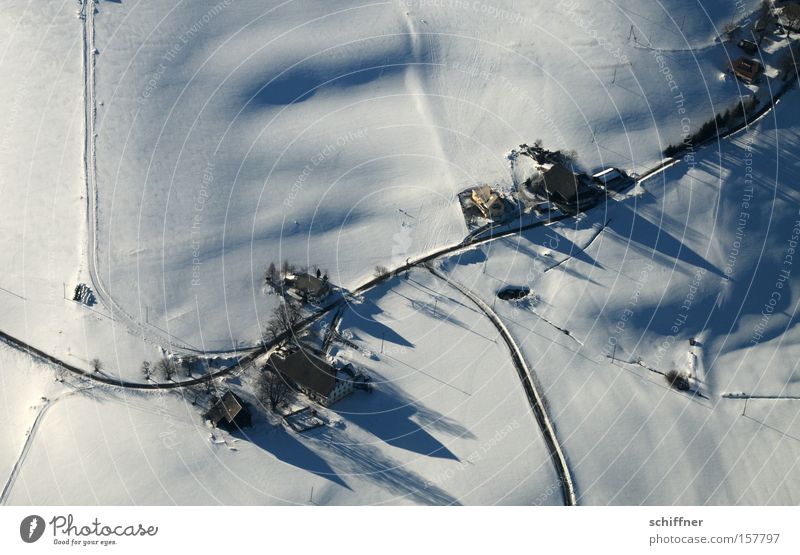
(312, 375)
(747, 70)
(565, 188)
(307, 287)
(228, 412)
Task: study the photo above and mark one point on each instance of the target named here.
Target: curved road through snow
(535, 397)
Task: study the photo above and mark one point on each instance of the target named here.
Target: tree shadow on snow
(287, 447)
(370, 463)
(361, 316)
(393, 418)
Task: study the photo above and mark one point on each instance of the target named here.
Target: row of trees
(166, 369)
(745, 109)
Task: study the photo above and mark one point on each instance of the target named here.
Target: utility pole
(383, 334)
(744, 410)
(614, 354)
(614, 79)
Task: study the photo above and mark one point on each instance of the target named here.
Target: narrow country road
(535, 397)
(12, 478)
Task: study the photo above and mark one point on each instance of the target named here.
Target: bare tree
(285, 319)
(166, 368)
(288, 315)
(273, 390)
(729, 30)
(147, 370)
(381, 271)
(97, 365)
(271, 276)
(187, 363)
(678, 380)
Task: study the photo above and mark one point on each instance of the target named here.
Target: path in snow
(12, 478)
(535, 398)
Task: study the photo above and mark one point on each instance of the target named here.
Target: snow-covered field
(228, 137)
(444, 425)
(705, 252)
(231, 134)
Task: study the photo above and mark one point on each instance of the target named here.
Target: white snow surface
(233, 134)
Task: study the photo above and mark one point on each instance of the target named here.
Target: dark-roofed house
(307, 287)
(747, 70)
(313, 375)
(565, 188)
(228, 412)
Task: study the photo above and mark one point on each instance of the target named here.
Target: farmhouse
(306, 287)
(312, 375)
(228, 412)
(565, 188)
(747, 70)
(489, 203)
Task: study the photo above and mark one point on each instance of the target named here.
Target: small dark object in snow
(678, 381)
(83, 294)
(513, 292)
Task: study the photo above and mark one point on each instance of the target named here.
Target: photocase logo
(31, 528)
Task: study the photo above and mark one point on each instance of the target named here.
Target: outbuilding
(747, 70)
(229, 412)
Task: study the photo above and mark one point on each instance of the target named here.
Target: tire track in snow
(12, 478)
(148, 332)
(535, 398)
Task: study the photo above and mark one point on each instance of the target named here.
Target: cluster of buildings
(786, 17)
(551, 186)
(306, 370)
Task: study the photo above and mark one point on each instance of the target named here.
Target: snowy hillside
(156, 158)
(231, 135)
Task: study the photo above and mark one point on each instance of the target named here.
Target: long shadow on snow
(396, 419)
(368, 462)
(288, 448)
(651, 239)
(361, 316)
(303, 80)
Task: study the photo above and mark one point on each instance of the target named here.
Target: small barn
(747, 70)
(228, 412)
(612, 179)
